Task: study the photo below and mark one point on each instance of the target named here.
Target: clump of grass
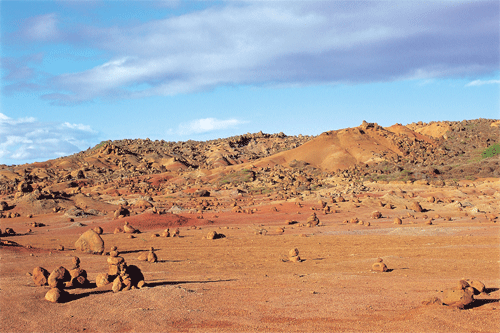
(491, 151)
(101, 144)
(242, 176)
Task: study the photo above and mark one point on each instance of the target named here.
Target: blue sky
(75, 73)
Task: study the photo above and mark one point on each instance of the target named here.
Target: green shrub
(491, 151)
(242, 176)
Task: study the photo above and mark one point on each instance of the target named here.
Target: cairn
(124, 277)
(379, 266)
(312, 220)
(293, 255)
(152, 258)
(59, 279)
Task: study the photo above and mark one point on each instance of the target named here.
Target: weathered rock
(397, 220)
(376, 215)
(121, 212)
(115, 260)
(78, 277)
(98, 230)
(143, 256)
(3, 206)
(152, 256)
(90, 242)
(459, 298)
(415, 206)
(295, 259)
(102, 280)
(379, 266)
(293, 252)
(58, 277)
(313, 219)
(215, 235)
(113, 270)
(117, 284)
(40, 276)
(56, 295)
(9, 231)
(478, 286)
(76, 262)
(127, 228)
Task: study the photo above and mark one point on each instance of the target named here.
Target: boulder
(293, 252)
(56, 295)
(397, 220)
(478, 286)
(143, 204)
(101, 279)
(115, 260)
(379, 266)
(78, 278)
(127, 228)
(40, 276)
(90, 242)
(152, 257)
(459, 298)
(58, 277)
(3, 206)
(76, 262)
(214, 235)
(121, 212)
(415, 206)
(117, 284)
(376, 215)
(98, 230)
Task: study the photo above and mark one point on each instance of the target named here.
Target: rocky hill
(438, 153)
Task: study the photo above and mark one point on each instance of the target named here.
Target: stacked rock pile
(148, 256)
(293, 255)
(59, 279)
(379, 266)
(312, 220)
(122, 276)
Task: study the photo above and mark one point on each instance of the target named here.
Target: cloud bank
(476, 83)
(28, 140)
(276, 43)
(206, 125)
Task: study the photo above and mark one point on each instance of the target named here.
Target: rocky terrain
(362, 229)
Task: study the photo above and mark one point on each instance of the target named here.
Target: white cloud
(42, 28)
(476, 83)
(26, 140)
(207, 125)
(277, 43)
